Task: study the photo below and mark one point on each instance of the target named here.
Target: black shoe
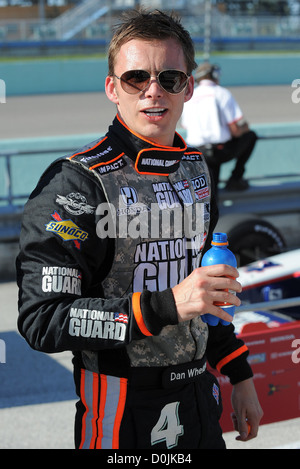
(237, 185)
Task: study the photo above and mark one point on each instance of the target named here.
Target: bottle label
(224, 304)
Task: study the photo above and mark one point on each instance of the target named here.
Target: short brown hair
(141, 24)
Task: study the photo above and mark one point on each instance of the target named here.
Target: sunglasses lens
(173, 81)
(135, 81)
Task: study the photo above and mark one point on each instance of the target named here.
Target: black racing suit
(96, 268)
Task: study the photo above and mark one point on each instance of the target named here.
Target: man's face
(152, 113)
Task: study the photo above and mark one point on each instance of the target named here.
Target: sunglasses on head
(135, 81)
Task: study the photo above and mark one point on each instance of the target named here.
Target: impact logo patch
(67, 230)
(114, 165)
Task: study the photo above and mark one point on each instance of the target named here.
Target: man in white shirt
(215, 124)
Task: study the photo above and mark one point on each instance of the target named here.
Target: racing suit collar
(148, 157)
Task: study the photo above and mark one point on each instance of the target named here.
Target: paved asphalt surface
(37, 400)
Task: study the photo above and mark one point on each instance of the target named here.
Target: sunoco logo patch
(67, 230)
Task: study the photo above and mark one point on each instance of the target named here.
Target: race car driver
(109, 260)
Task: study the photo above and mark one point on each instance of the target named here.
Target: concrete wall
(25, 77)
(53, 76)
